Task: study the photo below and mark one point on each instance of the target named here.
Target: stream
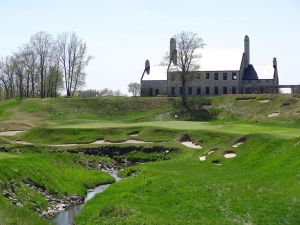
(66, 217)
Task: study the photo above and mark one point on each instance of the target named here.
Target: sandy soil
(264, 101)
(11, 133)
(64, 145)
(275, 114)
(202, 158)
(22, 143)
(237, 144)
(131, 141)
(230, 155)
(190, 144)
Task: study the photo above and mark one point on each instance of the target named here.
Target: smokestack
(275, 63)
(247, 51)
(147, 66)
(173, 51)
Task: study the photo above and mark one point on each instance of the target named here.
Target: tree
(134, 89)
(7, 76)
(187, 58)
(41, 44)
(72, 53)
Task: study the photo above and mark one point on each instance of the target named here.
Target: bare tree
(41, 44)
(7, 76)
(73, 57)
(134, 89)
(187, 58)
(28, 59)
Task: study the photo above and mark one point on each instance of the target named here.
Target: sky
(121, 35)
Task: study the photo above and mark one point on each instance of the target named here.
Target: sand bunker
(202, 158)
(211, 152)
(239, 142)
(134, 134)
(64, 145)
(274, 114)
(11, 133)
(22, 143)
(264, 101)
(131, 141)
(229, 154)
(190, 144)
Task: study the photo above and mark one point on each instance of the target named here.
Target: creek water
(66, 217)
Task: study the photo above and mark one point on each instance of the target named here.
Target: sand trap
(275, 114)
(10, 133)
(237, 144)
(202, 158)
(190, 144)
(64, 145)
(134, 134)
(22, 143)
(264, 101)
(131, 141)
(229, 154)
(211, 152)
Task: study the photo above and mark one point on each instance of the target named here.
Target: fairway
(235, 128)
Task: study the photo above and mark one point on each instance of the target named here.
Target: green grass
(260, 186)
(10, 214)
(85, 133)
(4, 155)
(16, 114)
(60, 174)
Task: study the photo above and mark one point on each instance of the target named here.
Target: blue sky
(122, 34)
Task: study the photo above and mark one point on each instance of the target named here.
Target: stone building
(222, 71)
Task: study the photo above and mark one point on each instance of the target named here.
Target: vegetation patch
(129, 171)
(128, 155)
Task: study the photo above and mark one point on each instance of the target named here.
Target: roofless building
(222, 71)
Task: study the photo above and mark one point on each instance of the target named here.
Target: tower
(247, 51)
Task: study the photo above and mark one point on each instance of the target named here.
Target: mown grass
(84, 133)
(260, 186)
(16, 114)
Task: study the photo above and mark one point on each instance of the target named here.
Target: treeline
(45, 67)
(98, 93)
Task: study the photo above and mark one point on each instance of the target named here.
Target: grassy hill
(260, 186)
(28, 113)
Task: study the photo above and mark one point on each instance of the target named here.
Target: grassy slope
(32, 112)
(15, 114)
(260, 186)
(59, 173)
(249, 189)
(10, 214)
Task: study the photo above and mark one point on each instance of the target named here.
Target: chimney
(275, 63)
(247, 51)
(173, 51)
